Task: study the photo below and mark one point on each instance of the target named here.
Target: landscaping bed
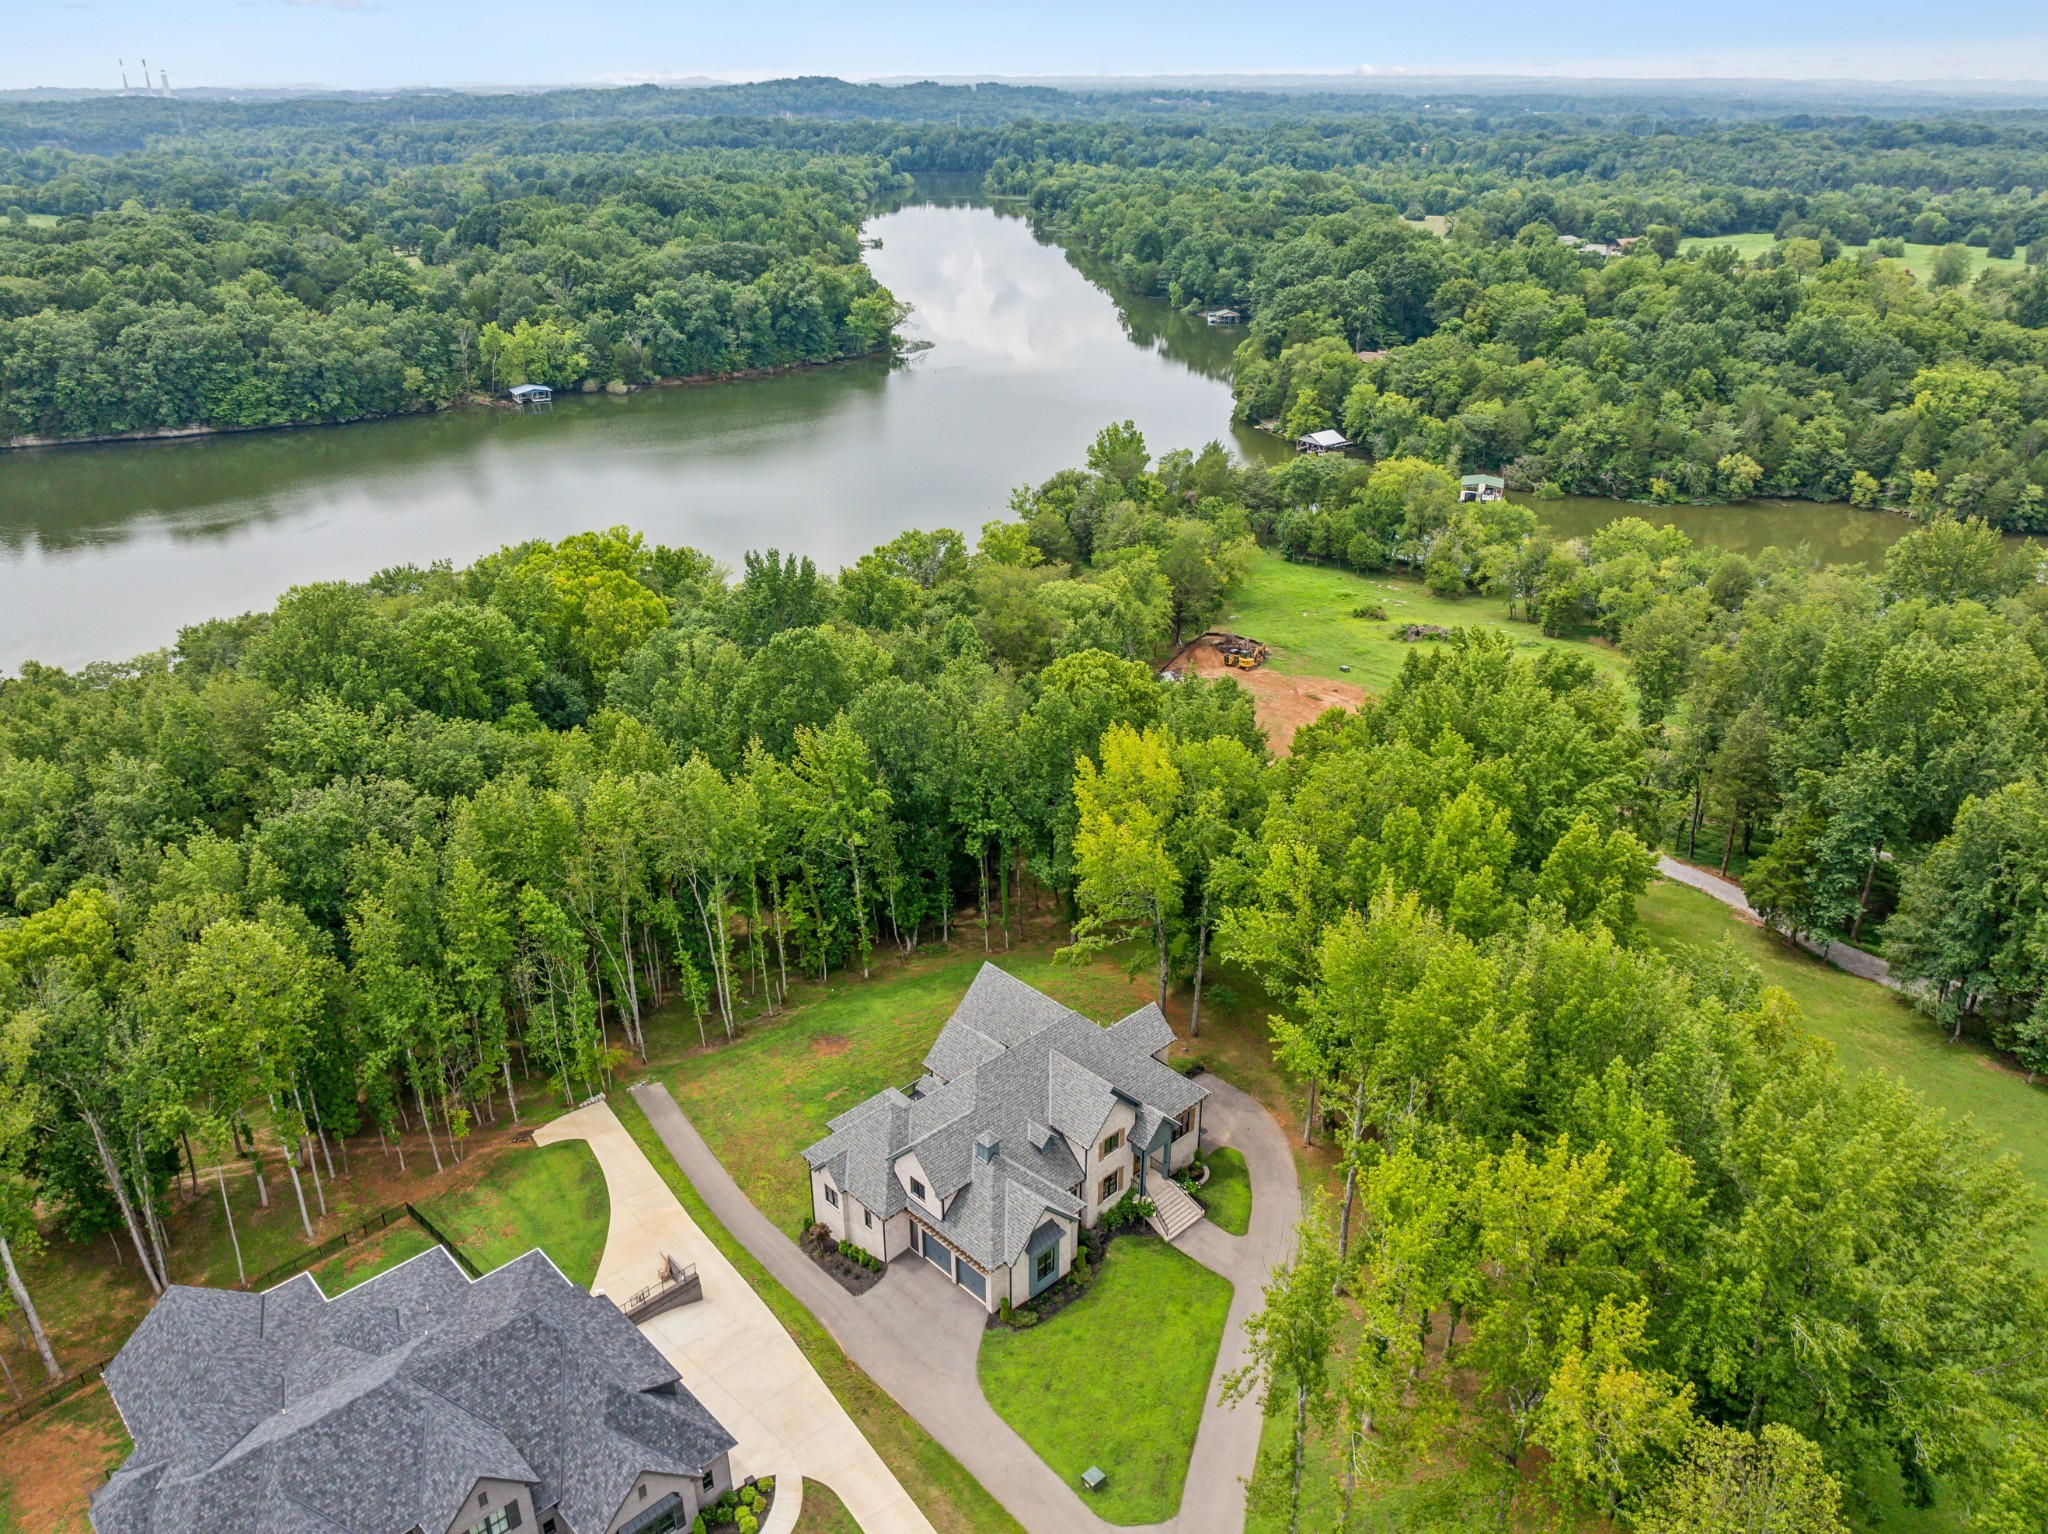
(1126, 1218)
(856, 1270)
(744, 1508)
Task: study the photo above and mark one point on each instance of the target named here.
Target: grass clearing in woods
(1872, 1029)
(1303, 612)
(1919, 258)
(1118, 1378)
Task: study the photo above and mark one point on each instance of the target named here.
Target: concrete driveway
(918, 1336)
(729, 1349)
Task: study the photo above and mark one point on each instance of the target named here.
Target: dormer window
(917, 1190)
(1109, 1146)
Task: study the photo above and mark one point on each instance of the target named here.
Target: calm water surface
(1834, 534)
(106, 551)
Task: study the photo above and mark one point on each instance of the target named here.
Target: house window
(710, 1479)
(513, 1521)
(916, 1189)
(831, 1195)
(1109, 1146)
(1047, 1261)
(497, 1523)
(1110, 1184)
(869, 1216)
(1186, 1122)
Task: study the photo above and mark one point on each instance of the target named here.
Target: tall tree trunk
(291, 1162)
(1308, 1119)
(1201, 956)
(1300, 1444)
(510, 1099)
(256, 1166)
(28, 1309)
(1159, 927)
(1692, 837)
(229, 1210)
(114, 1180)
(1863, 896)
(1350, 1177)
(1728, 846)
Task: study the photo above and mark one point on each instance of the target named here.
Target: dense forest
(331, 296)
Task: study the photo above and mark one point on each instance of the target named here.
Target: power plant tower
(165, 76)
(124, 75)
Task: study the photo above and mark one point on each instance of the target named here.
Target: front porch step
(1173, 1210)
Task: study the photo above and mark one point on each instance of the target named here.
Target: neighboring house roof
(1327, 438)
(1483, 482)
(1015, 1082)
(380, 1409)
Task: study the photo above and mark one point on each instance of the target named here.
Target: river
(106, 551)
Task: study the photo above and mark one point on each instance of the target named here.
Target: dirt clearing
(1283, 703)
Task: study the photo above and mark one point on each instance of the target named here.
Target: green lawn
(953, 1501)
(823, 1512)
(1228, 1192)
(1304, 613)
(1872, 1029)
(552, 1197)
(391, 1246)
(1118, 1378)
(1919, 258)
(759, 1101)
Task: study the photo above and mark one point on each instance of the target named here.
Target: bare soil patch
(1283, 703)
(831, 1044)
(57, 1461)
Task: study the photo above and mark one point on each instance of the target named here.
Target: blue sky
(370, 43)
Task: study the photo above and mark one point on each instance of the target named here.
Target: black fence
(68, 1386)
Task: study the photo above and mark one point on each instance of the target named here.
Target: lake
(1023, 354)
(105, 551)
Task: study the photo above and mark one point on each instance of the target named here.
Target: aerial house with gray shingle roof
(1030, 1120)
(419, 1402)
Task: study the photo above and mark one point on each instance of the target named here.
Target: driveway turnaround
(730, 1350)
(1854, 961)
(918, 1336)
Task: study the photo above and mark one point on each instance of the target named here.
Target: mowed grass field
(1304, 613)
(1872, 1029)
(1919, 258)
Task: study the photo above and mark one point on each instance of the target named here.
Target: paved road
(1855, 961)
(730, 1350)
(918, 1336)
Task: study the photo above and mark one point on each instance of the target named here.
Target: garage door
(972, 1282)
(935, 1253)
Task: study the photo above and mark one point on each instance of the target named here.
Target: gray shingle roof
(1031, 1075)
(290, 1413)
